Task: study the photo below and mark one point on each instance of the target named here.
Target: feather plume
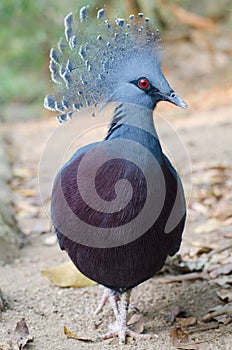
(89, 60)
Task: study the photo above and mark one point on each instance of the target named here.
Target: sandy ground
(47, 308)
(205, 130)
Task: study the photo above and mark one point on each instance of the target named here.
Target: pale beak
(174, 98)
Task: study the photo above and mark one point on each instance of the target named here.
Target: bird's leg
(122, 317)
(110, 295)
(119, 328)
(103, 301)
(113, 298)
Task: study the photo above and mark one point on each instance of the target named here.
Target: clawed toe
(119, 328)
(122, 332)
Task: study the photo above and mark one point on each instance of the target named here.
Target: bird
(118, 205)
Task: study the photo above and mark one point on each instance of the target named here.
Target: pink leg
(110, 295)
(119, 328)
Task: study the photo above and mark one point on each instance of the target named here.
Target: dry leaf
(200, 208)
(223, 319)
(22, 173)
(218, 257)
(27, 192)
(218, 311)
(203, 328)
(228, 234)
(219, 167)
(71, 335)
(208, 226)
(222, 270)
(228, 222)
(179, 337)
(197, 264)
(223, 280)
(136, 322)
(128, 340)
(180, 340)
(198, 249)
(21, 334)
(173, 314)
(185, 264)
(186, 322)
(225, 294)
(24, 207)
(186, 277)
(223, 210)
(67, 275)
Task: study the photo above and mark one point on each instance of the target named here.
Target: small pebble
(50, 241)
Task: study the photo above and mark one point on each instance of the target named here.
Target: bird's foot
(121, 331)
(119, 328)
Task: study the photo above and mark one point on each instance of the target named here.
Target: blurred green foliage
(27, 30)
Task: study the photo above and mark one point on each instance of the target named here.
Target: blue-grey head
(99, 61)
(138, 79)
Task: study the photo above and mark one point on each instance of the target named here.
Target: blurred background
(196, 36)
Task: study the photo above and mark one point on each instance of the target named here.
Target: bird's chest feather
(113, 181)
(117, 189)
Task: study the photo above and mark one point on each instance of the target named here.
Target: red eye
(143, 83)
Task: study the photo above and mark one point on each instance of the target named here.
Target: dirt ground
(206, 133)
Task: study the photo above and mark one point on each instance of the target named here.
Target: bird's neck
(136, 116)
